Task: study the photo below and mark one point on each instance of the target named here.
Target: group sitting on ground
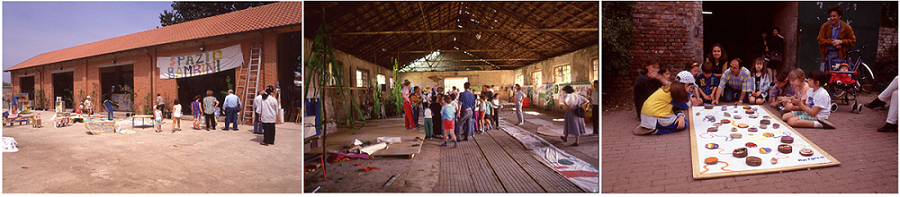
(661, 104)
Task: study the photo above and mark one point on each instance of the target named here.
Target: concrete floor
(69, 160)
(662, 163)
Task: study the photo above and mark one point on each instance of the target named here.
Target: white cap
(88, 96)
(685, 77)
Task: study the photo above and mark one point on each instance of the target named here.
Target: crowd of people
(457, 115)
(660, 101)
(265, 109)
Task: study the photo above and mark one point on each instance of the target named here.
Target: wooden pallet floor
(495, 162)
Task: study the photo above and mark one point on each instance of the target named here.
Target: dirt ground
(70, 160)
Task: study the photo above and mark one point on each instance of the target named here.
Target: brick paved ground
(662, 164)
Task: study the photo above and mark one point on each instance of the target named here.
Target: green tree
(617, 37)
(183, 11)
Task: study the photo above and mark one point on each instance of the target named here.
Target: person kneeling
(658, 115)
(814, 110)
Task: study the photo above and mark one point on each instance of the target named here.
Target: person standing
(519, 95)
(448, 112)
(109, 103)
(595, 101)
(257, 126)
(195, 111)
(428, 121)
(436, 115)
(88, 107)
(210, 104)
(268, 111)
(574, 125)
(407, 107)
(160, 101)
(835, 38)
(232, 106)
(496, 111)
(176, 116)
(415, 97)
(466, 112)
(776, 51)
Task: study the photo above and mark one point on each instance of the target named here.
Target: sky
(32, 28)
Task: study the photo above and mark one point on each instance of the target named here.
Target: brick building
(176, 61)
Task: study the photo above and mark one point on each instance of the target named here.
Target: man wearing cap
(662, 112)
(735, 79)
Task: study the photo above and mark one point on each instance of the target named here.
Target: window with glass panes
(536, 78)
(562, 74)
(596, 70)
(520, 79)
(362, 78)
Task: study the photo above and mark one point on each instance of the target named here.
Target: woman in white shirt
(268, 111)
(574, 125)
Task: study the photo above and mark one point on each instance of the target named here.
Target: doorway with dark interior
(63, 87)
(118, 81)
(26, 85)
(193, 86)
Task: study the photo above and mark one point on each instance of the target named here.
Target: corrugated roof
(262, 17)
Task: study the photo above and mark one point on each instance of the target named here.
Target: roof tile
(262, 17)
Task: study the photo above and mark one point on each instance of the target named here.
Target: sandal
(564, 139)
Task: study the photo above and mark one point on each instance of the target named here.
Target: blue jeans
(730, 94)
(257, 125)
(416, 111)
(231, 117)
(110, 108)
(831, 58)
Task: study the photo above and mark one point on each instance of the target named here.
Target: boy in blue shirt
(448, 113)
(708, 82)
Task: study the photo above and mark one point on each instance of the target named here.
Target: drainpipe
(151, 73)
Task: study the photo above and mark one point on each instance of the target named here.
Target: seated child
(797, 78)
(781, 90)
(707, 83)
(843, 78)
(813, 111)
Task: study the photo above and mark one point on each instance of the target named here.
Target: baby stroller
(843, 86)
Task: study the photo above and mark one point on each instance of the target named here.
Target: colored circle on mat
(712, 146)
(765, 150)
(566, 162)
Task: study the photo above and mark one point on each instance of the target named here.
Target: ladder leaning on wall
(251, 83)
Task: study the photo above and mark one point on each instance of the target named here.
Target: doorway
(63, 87)
(198, 85)
(26, 85)
(449, 82)
(118, 82)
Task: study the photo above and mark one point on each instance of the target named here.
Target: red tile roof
(262, 17)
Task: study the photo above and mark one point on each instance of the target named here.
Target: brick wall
(887, 43)
(670, 31)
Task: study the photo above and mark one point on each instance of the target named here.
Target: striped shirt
(743, 81)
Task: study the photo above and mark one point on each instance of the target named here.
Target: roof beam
(483, 50)
(479, 60)
(450, 31)
(525, 20)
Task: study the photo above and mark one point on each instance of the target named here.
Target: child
(157, 114)
(176, 116)
(781, 89)
(479, 114)
(797, 78)
(813, 111)
(435, 107)
(707, 82)
(195, 110)
(840, 79)
(455, 104)
(448, 113)
(488, 110)
(694, 68)
(428, 124)
(760, 82)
